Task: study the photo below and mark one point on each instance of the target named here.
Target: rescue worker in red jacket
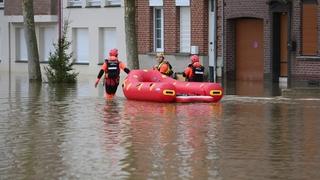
(163, 66)
(195, 71)
(111, 68)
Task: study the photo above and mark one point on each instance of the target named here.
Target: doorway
(280, 47)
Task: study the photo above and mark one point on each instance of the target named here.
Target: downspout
(59, 18)
(222, 38)
(215, 42)
(289, 84)
(9, 57)
(9, 45)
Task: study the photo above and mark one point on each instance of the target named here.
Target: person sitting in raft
(195, 71)
(111, 67)
(163, 65)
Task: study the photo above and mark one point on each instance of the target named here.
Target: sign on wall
(182, 2)
(155, 3)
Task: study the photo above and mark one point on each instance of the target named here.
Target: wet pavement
(71, 132)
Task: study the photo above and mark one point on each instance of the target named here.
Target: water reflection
(252, 88)
(71, 132)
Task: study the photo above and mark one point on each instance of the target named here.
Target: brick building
(270, 40)
(177, 28)
(247, 40)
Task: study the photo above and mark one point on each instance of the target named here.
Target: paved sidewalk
(313, 92)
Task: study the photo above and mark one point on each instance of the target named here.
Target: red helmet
(113, 52)
(194, 58)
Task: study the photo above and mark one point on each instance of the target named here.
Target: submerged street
(71, 132)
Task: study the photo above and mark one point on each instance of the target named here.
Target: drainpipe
(222, 38)
(9, 57)
(215, 43)
(9, 45)
(59, 18)
(289, 84)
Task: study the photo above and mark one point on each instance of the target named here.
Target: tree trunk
(131, 38)
(31, 41)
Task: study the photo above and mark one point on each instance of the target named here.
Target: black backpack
(198, 73)
(113, 68)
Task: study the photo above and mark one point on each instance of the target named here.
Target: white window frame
(155, 2)
(155, 39)
(105, 43)
(113, 2)
(43, 42)
(75, 45)
(185, 29)
(20, 45)
(182, 2)
(2, 4)
(94, 2)
(75, 2)
(1, 44)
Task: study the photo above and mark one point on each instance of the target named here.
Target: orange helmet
(194, 58)
(113, 52)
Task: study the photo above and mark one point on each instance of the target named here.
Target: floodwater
(71, 132)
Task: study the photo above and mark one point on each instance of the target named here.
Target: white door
(212, 29)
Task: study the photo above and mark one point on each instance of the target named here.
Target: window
(182, 2)
(1, 4)
(21, 48)
(185, 29)
(47, 38)
(113, 2)
(108, 37)
(158, 29)
(309, 29)
(155, 2)
(0, 45)
(74, 2)
(94, 2)
(81, 45)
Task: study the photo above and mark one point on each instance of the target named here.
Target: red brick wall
(199, 26)
(243, 9)
(303, 69)
(41, 7)
(171, 19)
(144, 26)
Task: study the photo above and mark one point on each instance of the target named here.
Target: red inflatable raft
(151, 85)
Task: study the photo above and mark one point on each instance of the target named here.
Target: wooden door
(249, 49)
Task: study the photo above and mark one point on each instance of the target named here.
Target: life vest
(197, 73)
(113, 69)
(169, 72)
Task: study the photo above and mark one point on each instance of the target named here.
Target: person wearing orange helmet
(163, 66)
(111, 68)
(195, 71)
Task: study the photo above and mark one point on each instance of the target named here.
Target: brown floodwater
(71, 132)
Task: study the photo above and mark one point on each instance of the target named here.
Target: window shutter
(309, 30)
(82, 45)
(109, 37)
(185, 28)
(48, 40)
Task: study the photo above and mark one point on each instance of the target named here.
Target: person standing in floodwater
(111, 68)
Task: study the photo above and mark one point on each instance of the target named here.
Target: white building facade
(95, 27)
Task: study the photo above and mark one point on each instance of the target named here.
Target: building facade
(270, 40)
(178, 28)
(247, 40)
(95, 27)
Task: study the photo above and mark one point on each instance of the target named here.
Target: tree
(131, 38)
(60, 63)
(34, 70)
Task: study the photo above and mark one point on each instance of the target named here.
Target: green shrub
(60, 68)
